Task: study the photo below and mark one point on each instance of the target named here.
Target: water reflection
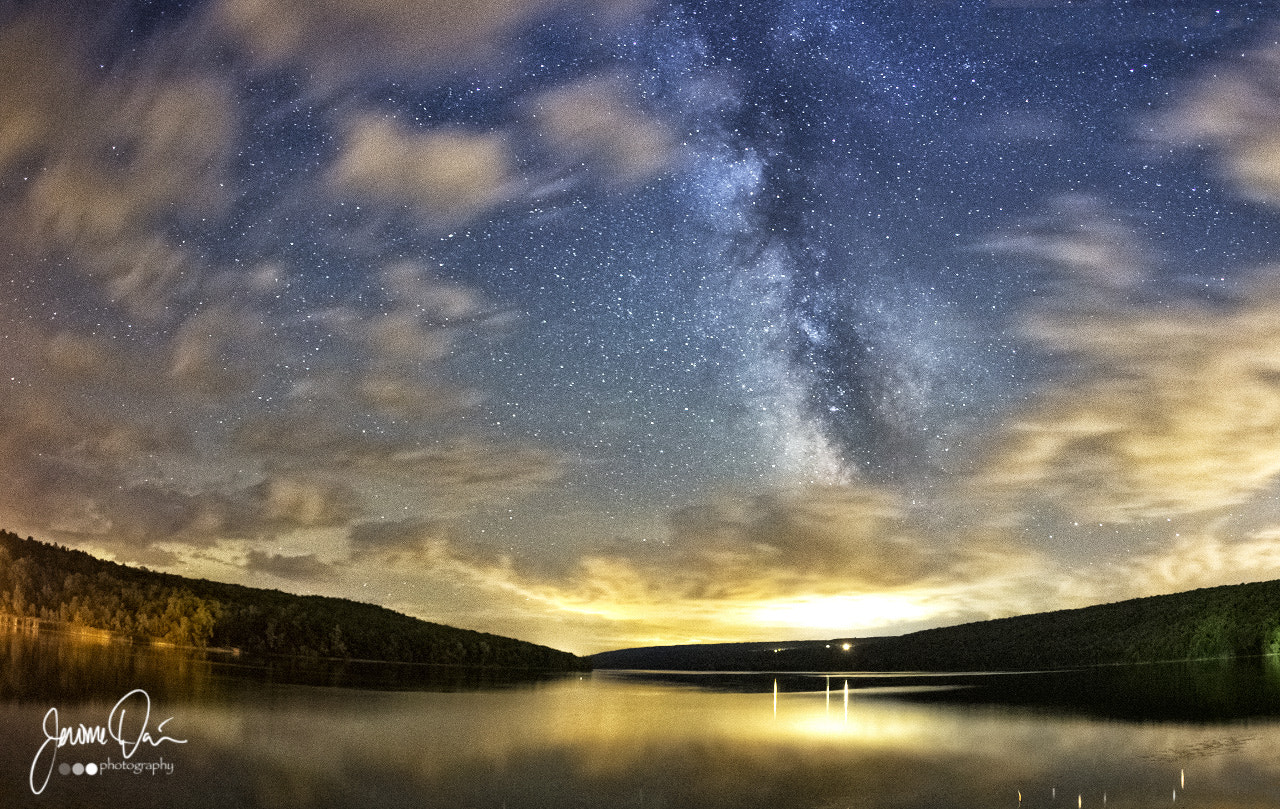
(611, 740)
(37, 666)
(1206, 691)
(44, 665)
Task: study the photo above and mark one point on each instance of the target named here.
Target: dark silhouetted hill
(49, 582)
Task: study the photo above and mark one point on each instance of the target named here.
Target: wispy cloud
(120, 162)
(235, 414)
(825, 557)
(449, 175)
(337, 40)
(1089, 247)
(301, 568)
(1167, 410)
(591, 124)
(1235, 109)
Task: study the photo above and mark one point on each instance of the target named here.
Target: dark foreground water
(1181, 736)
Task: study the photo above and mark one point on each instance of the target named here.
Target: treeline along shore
(41, 582)
(1240, 620)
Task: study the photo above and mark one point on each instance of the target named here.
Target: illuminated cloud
(590, 124)
(415, 539)
(297, 502)
(1205, 559)
(135, 159)
(1168, 410)
(337, 38)
(452, 474)
(220, 350)
(1088, 246)
(430, 547)
(448, 175)
(849, 537)
(304, 568)
(838, 558)
(1236, 109)
(40, 84)
(1187, 560)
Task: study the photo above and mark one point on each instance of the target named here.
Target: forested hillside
(1229, 621)
(39, 580)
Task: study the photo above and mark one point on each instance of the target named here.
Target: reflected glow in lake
(615, 740)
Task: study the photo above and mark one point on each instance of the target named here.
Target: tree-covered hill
(1229, 621)
(39, 580)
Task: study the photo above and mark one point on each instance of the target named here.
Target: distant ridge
(755, 656)
(53, 583)
(1219, 622)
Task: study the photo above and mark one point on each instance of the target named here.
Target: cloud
(834, 557)
(427, 545)
(301, 568)
(1236, 110)
(299, 502)
(338, 39)
(68, 449)
(465, 470)
(592, 125)
(447, 174)
(846, 537)
(1166, 410)
(121, 443)
(144, 150)
(391, 540)
(220, 350)
(89, 472)
(109, 164)
(40, 84)
(451, 474)
(1188, 560)
(815, 541)
(1205, 559)
(85, 358)
(435, 299)
(1088, 246)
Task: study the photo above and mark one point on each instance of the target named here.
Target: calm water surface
(631, 740)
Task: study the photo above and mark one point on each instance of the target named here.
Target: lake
(257, 736)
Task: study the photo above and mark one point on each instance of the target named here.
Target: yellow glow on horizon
(844, 613)
(631, 621)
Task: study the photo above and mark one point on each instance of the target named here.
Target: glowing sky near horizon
(604, 323)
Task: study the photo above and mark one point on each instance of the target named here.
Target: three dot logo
(77, 769)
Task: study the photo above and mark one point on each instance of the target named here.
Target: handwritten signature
(130, 738)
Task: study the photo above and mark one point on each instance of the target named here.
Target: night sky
(602, 323)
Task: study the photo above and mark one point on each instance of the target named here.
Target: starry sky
(604, 323)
